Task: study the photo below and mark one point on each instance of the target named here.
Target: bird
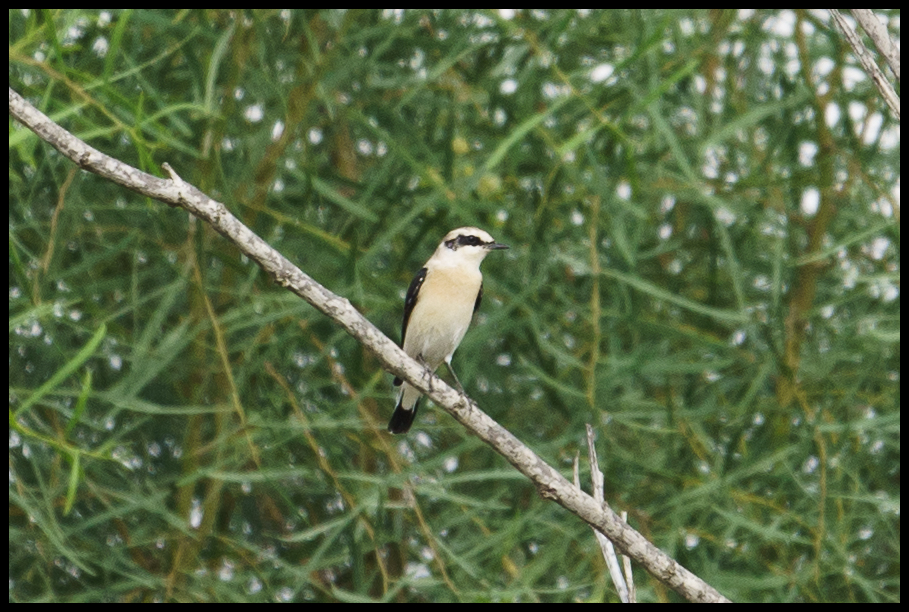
(438, 308)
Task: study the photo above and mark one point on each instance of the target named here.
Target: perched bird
(440, 302)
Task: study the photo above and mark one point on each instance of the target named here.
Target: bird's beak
(495, 246)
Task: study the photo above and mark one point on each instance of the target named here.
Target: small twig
(629, 575)
(182, 187)
(612, 560)
(626, 595)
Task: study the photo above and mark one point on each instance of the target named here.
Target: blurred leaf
(64, 372)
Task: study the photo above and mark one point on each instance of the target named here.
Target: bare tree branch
(878, 33)
(864, 56)
(549, 482)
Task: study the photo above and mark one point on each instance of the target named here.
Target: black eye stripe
(463, 240)
(469, 240)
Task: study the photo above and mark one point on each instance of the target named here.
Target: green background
(703, 213)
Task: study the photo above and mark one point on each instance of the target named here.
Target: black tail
(402, 419)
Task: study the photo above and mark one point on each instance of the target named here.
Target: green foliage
(704, 265)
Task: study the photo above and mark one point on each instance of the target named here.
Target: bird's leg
(455, 376)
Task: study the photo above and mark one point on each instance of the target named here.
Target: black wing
(476, 305)
(413, 292)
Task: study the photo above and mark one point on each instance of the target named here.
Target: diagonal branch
(878, 33)
(864, 56)
(549, 482)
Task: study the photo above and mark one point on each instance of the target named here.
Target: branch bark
(878, 33)
(549, 482)
(864, 56)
